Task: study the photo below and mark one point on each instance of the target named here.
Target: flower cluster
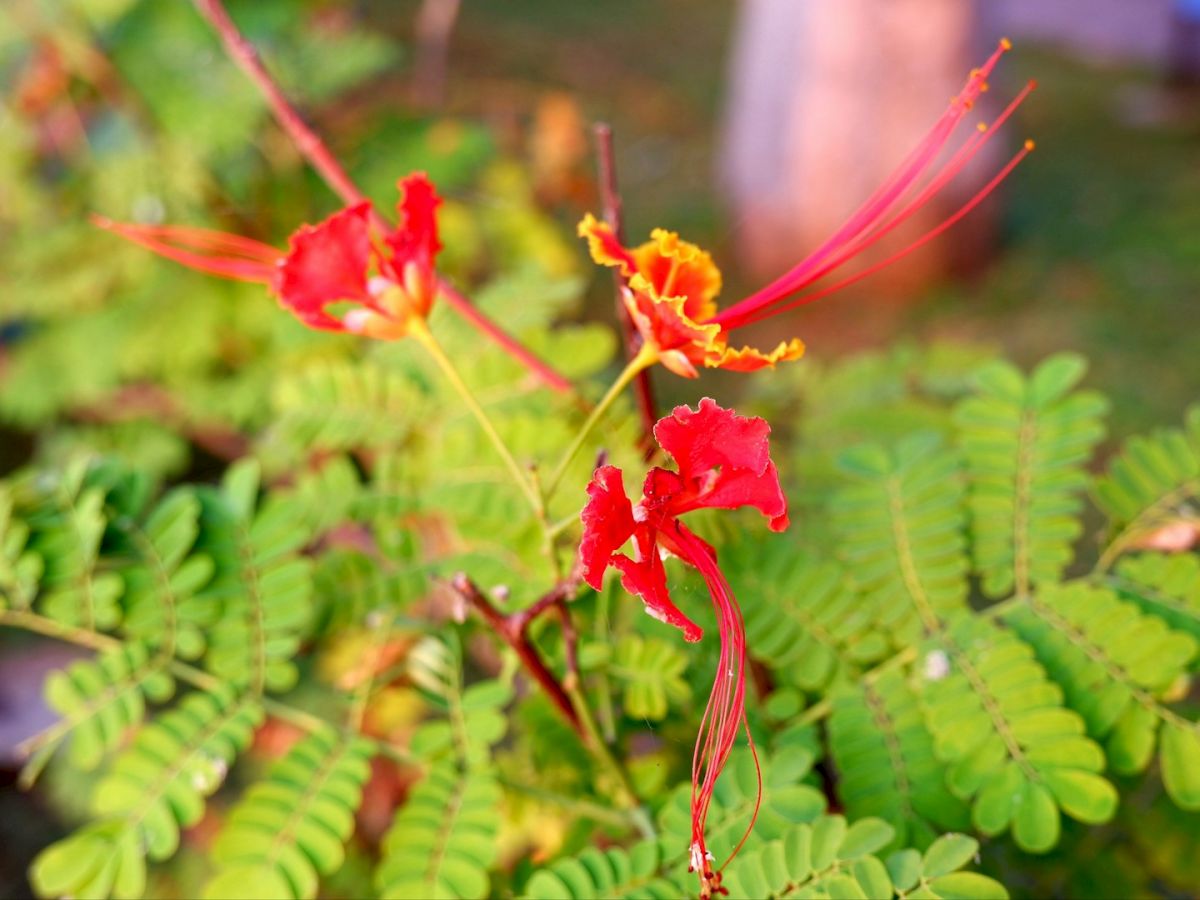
(353, 273)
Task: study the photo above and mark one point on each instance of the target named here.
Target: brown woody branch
(514, 630)
(610, 199)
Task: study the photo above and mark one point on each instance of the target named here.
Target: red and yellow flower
(342, 274)
(722, 461)
(671, 285)
(670, 295)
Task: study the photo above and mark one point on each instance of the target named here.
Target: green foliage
(443, 841)
(787, 800)
(802, 618)
(1114, 662)
(67, 523)
(290, 828)
(20, 568)
(885, 754)
(99, 700)
(339, 406)
(926, 483)
(163, 599)
(833, 859)
(1152, 482)
(472, 721)
(1026, 444)
(261, 583)
(900, 521)
(633, 873)
(940, 718)
(1014, 749)
(650, 673)
(1167, 586)
(153, 789)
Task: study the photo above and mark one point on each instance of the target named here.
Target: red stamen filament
(864, 228)
(215, 252)
(725, 713)
(971, 148)
(915, 245)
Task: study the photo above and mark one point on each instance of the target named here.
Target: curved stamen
(915, 245)
(215, 252)
(725, 714)
(952, 168)
(879, 203)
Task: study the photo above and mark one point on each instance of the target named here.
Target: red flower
(723, 462)
(387, 279)
(672, 284)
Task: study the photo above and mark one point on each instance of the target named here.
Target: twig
(567, 694)
(570, 639)
(610, 198)
(514, 630)
(503, 339)
(556, 596)
(242, 52)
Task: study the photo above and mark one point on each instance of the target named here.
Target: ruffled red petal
(647, 578)
(735, 488)
(607, 523)
(712, 437)
(326, 263)
(676, 268)
(606, 250)
(415, 238)
(724, 459)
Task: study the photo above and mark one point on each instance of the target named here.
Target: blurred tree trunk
(826, 98)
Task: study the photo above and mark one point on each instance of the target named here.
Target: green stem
(645, 358)
(419, 330)
(197, 678)
(819, 711)
(583, 808)
(625, 797)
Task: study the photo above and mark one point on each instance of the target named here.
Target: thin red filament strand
(968, 151)
(915, 245)
(876, 206)
(215, 252)
(949, 172)
(725, 713)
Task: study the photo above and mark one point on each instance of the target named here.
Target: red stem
(505, 341)
(242, 52)
(513, 629)
(611, 200)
